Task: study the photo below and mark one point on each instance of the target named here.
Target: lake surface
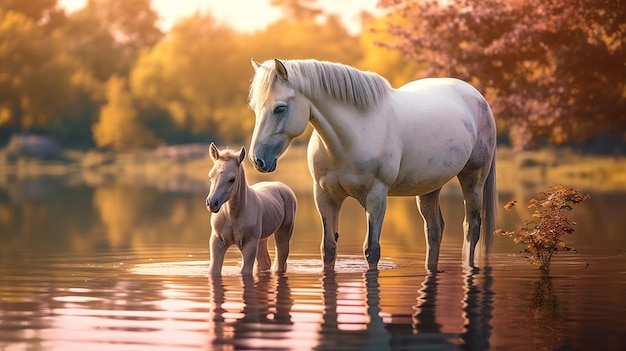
(118, 266)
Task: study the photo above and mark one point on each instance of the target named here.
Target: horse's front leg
(428, 206)
(328, 209)
(375, 207)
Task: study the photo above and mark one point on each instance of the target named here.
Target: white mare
(371, 141)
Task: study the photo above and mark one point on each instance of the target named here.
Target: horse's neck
(240, 198)
(334, 122)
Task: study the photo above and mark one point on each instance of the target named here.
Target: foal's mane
(229, 154)
(321, 79)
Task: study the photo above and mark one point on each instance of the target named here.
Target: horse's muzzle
(262, 166)
(213, 205)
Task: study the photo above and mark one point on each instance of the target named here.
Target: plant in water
(542, 235)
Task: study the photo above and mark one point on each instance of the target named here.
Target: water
(124, 267)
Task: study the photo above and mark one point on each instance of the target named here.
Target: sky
(243, 15)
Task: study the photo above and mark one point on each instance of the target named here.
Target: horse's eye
(231, 180)
(280, 109)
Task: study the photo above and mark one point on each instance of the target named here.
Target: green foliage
(542, 235)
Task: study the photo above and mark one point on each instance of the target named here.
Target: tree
(36, 80)
(119, 127)
(45, 13)
(389, 63)
(198, 75)
(108, 36)
(552, 70)
(298, 10)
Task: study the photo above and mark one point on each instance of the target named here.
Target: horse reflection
(476, 312)
(266, 301)
(478, 309)
(333, 334)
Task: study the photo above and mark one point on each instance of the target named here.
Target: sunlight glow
(244, 15)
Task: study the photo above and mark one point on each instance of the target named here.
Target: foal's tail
(488, 213)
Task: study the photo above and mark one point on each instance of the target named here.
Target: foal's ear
(255, 64)
(242, 154)
(214, 152)
(281, 70)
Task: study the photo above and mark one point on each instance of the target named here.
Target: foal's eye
(231, 180)
(280, 109)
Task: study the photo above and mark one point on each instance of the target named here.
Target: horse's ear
(255, 64)
(242, 154)
(214, 152)
(281, 70)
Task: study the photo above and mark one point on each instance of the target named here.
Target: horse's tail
(488, 213)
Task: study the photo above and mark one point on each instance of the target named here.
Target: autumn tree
(391, 64)
(553, 70)
(36, 80)
(119, 126)
(44, 13)
(108, 35)
(198, 75)
(297, 10)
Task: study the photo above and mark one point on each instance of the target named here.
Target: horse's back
(278, 205)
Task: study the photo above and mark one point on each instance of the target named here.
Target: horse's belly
(413, 187)
(429, 174)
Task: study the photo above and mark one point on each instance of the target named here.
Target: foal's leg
(282, 237)
(428, 206)
(263, 260)
(217, 248)
(328, 209)
(249, 250)
(472, 183)
(375, 207)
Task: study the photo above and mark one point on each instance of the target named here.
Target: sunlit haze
(244, 15)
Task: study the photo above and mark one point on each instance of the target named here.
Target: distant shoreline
(516, 170)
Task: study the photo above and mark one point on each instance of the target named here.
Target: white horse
(371, 141)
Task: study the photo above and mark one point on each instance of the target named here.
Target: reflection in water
(424, 319)
(378, 337)
(477, 311)
(78, 270)
(344, 324)
(546, 313)
(258, 314)
(478, 308)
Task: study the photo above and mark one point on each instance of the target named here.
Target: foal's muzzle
(213, 205)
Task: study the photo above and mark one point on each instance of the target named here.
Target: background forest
(107, 77)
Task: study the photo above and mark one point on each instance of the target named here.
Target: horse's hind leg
(263, 260)
(472, 183)
(282, 239)
(430, 210)
(282, 236)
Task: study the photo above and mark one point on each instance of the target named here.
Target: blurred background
(133, 74)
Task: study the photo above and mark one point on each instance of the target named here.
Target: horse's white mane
(320, 79)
